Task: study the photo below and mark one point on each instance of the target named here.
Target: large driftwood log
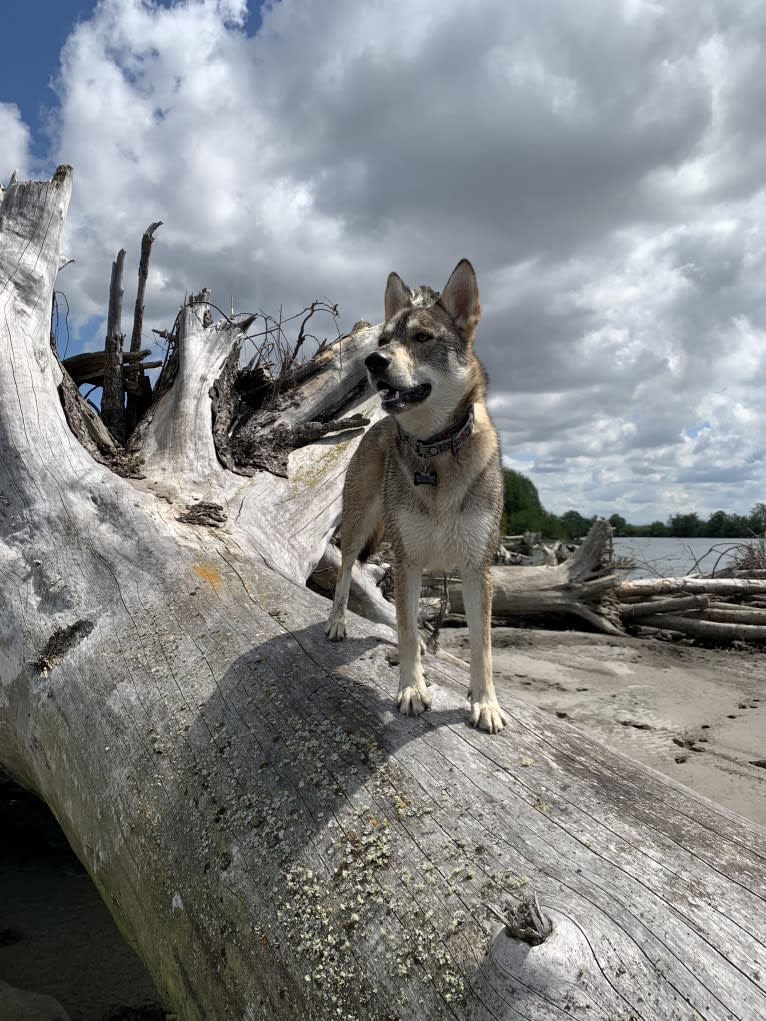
(673, 604)
(734, 614)
(643, 587)
(699, 627)
(273, 839)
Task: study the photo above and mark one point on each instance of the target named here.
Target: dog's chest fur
(452, 524)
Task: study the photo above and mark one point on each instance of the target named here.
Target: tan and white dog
(430, 477)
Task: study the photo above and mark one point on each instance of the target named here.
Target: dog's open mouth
(397, 400)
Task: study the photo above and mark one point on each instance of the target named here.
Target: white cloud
(601, 163)
(14, 147)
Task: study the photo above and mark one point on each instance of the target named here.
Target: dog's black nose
(377, 362)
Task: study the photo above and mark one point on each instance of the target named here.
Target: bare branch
(113, 400)
(143, 273)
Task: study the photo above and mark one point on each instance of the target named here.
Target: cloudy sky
(603, 164)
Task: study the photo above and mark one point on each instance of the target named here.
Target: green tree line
(523, 511)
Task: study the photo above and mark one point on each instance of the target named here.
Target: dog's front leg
(336, 625)
(412, 697)
(477, 599)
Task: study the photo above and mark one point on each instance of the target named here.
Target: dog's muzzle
(393, 398)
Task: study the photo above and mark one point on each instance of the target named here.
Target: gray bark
(270, 835)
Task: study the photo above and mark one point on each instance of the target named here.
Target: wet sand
(695, 714)
(56, 935)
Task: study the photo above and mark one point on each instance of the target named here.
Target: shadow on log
(269, 834)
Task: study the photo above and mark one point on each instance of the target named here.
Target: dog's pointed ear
(397, 295)
(460, 298)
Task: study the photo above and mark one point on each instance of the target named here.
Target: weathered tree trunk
(699, 627)
(673, 604)
(143, 275)
(642, 587)
(270, 835)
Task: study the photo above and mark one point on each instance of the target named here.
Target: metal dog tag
(425, 478)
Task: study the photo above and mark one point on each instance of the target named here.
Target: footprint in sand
(688, 742)
(650, 736)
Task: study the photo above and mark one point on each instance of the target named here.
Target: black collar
(451, 439)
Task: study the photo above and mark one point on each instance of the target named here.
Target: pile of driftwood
(714, 609)
(530, 550)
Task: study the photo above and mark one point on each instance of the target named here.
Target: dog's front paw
(336, 628)
(488, 715)
(412, 700)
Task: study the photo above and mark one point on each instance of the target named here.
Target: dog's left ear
(460, 298)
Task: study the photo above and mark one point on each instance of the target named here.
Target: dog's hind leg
(486, 714)
(413, 696)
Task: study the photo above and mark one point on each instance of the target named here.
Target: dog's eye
(421, 337)
(382, 341)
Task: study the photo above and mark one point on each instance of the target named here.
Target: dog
(429, 475)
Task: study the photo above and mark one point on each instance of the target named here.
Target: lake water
(674, 558)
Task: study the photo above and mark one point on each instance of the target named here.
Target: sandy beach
(695, 714)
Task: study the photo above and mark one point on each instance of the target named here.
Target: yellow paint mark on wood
(210, 574)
